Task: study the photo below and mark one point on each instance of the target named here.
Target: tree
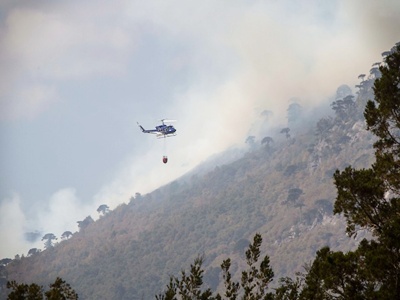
(369, 198)
(48, 238)
(59, 290)
(189, 285)
(338, 108)
(345, 109)
(5, 261)
(385, 53)
(33, 251)
(286, 132)
(289, 289)
(24, 291)
(254, 282)
(85, 223)
(294, 112)
(349, 104)
(375, 72)
(344, 90)
(383, 119)
(267, 140)
(103, 209)
(332, 275)
(66, 235)
(293, 198)
(137, 197)
(231, 287)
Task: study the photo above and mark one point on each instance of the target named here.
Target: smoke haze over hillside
(76, 77)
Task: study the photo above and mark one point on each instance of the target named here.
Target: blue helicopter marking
(162, 130)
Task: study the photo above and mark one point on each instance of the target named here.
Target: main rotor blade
(167, 120)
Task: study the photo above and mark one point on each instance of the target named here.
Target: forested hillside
(281, 188)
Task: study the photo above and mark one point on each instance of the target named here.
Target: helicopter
(162, 131)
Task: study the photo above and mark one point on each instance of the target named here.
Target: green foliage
(131, 251)
(48, 240)
(59, 290)
(383, 119)
(189, 286)
(361, 198)
(103, 209)
(369, 198)
(66, 235)
(333, 275)
(345, 109)
(267, 140)
(286, 131)
(85, 223)
(288, 289)
(33, 251)
(254, 281)
(231, 287)
(24, 291)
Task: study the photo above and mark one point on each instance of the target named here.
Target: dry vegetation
(131, 251)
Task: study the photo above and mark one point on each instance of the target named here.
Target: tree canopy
(230, 203)
(369, 199)
(59, 290)
(254, 283)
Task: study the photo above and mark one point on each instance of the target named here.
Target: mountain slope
(283, 190)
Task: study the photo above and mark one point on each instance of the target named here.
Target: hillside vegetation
(281, 188)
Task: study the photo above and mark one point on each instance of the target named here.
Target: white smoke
(240, 58)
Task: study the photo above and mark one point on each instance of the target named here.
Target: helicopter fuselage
(161, 130)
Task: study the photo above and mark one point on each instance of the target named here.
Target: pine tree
(253, 285)
(59, 290)
(370, 198)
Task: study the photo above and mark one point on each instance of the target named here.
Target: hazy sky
(76, 76)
